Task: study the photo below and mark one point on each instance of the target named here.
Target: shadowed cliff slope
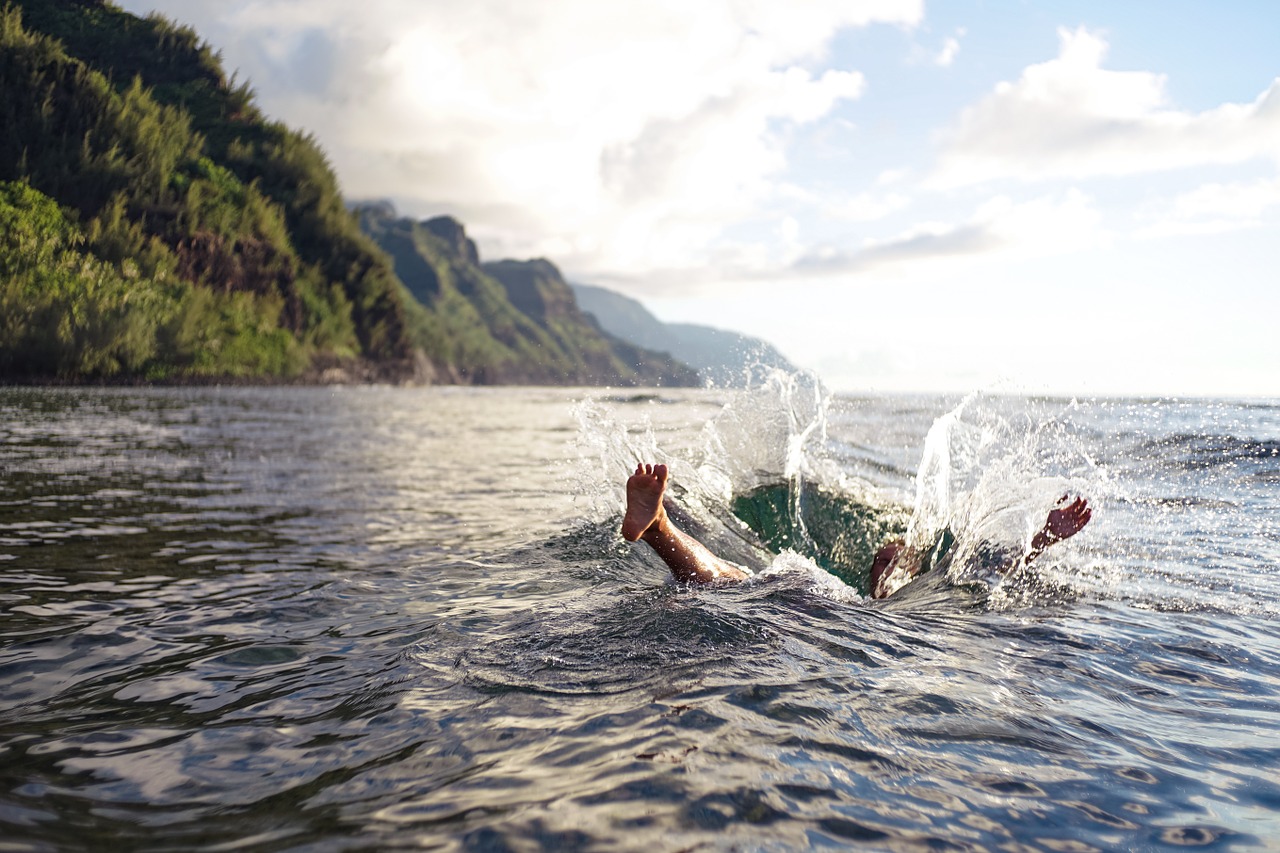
(510, 321)
(722, 358)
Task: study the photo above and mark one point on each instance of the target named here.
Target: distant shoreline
(330, 376)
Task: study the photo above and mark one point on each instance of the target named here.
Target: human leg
(646, 519)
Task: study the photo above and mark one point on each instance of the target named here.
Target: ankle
(657, 529)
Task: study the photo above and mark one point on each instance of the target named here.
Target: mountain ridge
(723, 358)
(509, 318)
(159, 227)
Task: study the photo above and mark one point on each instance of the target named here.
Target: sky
(1041, 197)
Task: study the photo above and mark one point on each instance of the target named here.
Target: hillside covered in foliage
(508, 321)
(155, 225)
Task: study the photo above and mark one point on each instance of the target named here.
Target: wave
(1206, 451)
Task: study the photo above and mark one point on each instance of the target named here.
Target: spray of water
(1180, 519)
(989, 471)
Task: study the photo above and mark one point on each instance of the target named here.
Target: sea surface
(323, 619)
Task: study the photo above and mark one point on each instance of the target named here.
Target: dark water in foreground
(313, 619)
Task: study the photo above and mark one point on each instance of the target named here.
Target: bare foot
(688, 559)
(644, 500)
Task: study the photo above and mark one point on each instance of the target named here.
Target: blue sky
(1078, 198)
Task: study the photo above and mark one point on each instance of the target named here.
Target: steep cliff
(505, 322)
(229, 227)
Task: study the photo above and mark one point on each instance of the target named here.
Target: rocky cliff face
(454, 236)
(538, 289)
(510, 322)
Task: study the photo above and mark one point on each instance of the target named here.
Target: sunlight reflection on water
(353, 618)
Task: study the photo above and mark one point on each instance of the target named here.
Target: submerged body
(894, 566)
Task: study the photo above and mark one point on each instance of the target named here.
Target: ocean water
(369, 618)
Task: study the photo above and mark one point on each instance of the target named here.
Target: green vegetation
(217, 239)
(67, 314)
(514, 321)
(159, 227)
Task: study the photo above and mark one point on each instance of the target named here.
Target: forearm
(1039, 543)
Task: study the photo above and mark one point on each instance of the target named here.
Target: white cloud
(942, 57)
(1043, 226)
(928, 243)
(835, 205)
(865, 207)
(950, 49)
(1213, 208)
(1040, 227)
(890, 177)
(1071, 118)
(1238, 200)
(610, 135)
